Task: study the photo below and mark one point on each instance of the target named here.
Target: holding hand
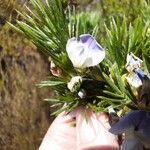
(73, 132)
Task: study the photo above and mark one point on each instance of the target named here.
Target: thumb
(86, 128)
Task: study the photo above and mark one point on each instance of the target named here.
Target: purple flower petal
(141, 74)
(131, 120)
(134, 80)
(133, 62)
(136, 126)
(86, 37)
(90, 42)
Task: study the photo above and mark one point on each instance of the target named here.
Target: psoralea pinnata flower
(85, 52)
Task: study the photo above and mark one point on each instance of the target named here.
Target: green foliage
(145, 9)
(117, 41)
(49, 26)
(146, 59)
(117, 92)
(120, 8)
(50, 83)
(82, 23)
(139, 41)
(123, 38)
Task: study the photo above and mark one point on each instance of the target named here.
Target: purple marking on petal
(90, 41)
(135, 117)
(141, 74)
(86, 37)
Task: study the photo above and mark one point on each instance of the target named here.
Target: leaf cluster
(49, 25)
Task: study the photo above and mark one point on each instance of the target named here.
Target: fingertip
(102, 115)
(103, 118)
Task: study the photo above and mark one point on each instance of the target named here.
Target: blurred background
(24, 116)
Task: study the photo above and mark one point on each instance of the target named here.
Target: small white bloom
(55, 70)
(82, 94)
(73, 82)
(134, 80)
(133, 62)
(111, 109)
(86, 52)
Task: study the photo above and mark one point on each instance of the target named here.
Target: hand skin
(73, 132)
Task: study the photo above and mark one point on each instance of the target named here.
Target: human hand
(73, 131)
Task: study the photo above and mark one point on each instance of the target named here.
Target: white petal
(134, 80)
(133, 62)
(94, 57)
(86, 52)
(75, 50)
(73, 81)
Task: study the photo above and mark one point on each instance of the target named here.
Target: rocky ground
(24, 116)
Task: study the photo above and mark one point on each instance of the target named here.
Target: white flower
(133, 66)
(134, 80)
(82, 94)
(55, 70)
(86, 52)
(111, 109)
(133, 62)
(73, 82)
